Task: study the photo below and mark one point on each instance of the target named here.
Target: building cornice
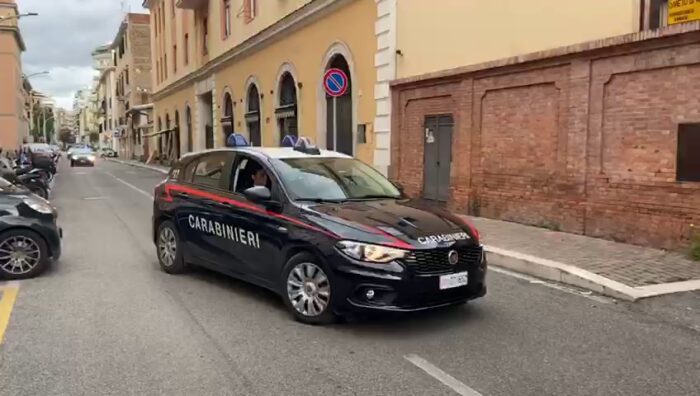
(17, 34)
(296, 20)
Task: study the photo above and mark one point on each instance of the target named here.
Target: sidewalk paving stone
(631, 265)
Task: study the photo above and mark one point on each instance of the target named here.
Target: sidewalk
(615, 269)
(138, 164)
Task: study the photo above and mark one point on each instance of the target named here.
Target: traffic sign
(335, 81)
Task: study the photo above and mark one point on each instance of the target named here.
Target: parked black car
(29, 235)
(325, 231)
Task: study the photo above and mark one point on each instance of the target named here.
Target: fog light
(369, 294)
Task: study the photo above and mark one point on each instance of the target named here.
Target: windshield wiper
(373, 196)
(322, 200)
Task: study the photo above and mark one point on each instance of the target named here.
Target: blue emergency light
(236, 140)
(305, 146)
(289, 141)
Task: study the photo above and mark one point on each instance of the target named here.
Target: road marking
(8, 295)
(94, 198)
(535, 281)
(441, 376)
(131, 186)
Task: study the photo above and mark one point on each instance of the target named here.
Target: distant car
(108, 152)
(83, 156)
(29, 235)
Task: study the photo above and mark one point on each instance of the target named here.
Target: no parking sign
(335, 81)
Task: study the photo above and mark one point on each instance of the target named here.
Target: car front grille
(434, 261)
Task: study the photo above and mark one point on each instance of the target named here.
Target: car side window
(209, 170)
(188, 172)
(247, 173)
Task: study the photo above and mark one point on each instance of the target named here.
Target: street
(106, 320)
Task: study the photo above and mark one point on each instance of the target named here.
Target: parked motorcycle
(36, 180)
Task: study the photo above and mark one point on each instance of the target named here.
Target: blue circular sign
(335, 81)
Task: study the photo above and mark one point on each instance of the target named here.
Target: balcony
(191, 4)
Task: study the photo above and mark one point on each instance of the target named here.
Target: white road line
(536, 281)
(131, 186)
(441, 376)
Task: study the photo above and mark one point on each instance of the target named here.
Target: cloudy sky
(61, 39)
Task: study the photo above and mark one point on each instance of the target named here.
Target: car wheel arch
(30, 229)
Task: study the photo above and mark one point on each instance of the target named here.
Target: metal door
(437, 157)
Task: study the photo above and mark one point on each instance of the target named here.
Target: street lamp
(18, 16)
(36, 74)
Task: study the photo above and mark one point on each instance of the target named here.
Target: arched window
(252, 115)
(227, 119)
(286, 112)
(176, 135)
(188, 122)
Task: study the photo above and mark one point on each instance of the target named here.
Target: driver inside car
(259, 177)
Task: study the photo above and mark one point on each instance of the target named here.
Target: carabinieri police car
(325, 231)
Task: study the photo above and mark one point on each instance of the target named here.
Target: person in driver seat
(259, 177)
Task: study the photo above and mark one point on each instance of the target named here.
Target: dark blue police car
(327, 232)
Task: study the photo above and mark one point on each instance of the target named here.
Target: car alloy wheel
(308, 289)
(167, 246)
(19, 255)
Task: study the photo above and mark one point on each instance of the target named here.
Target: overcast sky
(61, 39)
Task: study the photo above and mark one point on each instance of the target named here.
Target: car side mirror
(258, 194)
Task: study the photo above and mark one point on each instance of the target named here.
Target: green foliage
(694, 243)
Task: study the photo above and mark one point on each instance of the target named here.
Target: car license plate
(454, 280)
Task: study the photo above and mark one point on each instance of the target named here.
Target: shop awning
(253, 116)
(286, 111)
(159, 132)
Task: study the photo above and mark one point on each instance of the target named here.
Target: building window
(687, 159)
(250, 10)
(126, 76)
(226, 28)
(172, 8)
(205, 36)
(174, 59)
(657, 16)
(165, 66)
(186, 43)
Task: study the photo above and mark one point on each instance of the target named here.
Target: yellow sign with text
(680, 11)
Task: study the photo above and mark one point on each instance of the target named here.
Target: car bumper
(83, 161)
(399, 289)
(53, 236)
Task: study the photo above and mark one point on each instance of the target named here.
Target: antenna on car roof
(289, 141)
(305, 146)
(236, 140)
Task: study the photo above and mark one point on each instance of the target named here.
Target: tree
(65, 135)
(94, 137)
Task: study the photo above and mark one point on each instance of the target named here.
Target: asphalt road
(106, 320)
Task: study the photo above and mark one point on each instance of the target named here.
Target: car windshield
(82, 151)
(333, 179)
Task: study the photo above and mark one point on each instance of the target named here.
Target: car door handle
(211, 202)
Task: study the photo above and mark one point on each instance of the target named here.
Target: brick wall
(582, 141)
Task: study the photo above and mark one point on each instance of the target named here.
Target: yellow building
(257, 68)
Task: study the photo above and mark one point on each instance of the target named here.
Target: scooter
(32, 179)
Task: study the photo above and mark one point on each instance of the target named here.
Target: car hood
(402, 223)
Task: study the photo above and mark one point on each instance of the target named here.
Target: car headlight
(91, 157)
(370, 253)
(39, 204)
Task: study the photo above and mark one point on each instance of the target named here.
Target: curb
(575, 276)
(138, 165)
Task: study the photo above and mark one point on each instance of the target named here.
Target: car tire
(32, 242)
(301, 262)
(171, 260)
(72, 164)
